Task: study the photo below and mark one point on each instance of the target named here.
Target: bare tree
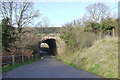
(6, 9)
(74, 23)
(20, 13)
(44, 23)
(98, 11)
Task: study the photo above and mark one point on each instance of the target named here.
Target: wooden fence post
(28, 58)
(13, 59)
(22, 58)
(32, 57)
(35, 56)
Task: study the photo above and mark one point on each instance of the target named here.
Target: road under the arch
(52, 46)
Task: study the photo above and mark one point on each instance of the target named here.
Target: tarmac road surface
(48, 67)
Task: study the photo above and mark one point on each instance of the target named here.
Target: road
(49, 67)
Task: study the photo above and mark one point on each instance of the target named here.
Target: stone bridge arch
(55, 44)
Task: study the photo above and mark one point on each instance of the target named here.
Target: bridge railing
(11, 60)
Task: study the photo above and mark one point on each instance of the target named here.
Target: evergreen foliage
(8, 34)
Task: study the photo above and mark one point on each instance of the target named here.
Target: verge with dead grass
(101, 58)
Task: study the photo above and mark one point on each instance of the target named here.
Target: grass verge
(11, 67)
(100, 59)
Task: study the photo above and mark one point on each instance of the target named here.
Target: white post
(13, 59)
(22, 58)
(113, 32)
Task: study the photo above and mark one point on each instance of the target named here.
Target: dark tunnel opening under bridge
(52, 46)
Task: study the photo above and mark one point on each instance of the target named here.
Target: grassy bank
(11, 67)
(100, 59)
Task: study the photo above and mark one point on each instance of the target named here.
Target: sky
(59, 13)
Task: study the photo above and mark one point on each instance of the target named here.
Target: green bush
(75, 37)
